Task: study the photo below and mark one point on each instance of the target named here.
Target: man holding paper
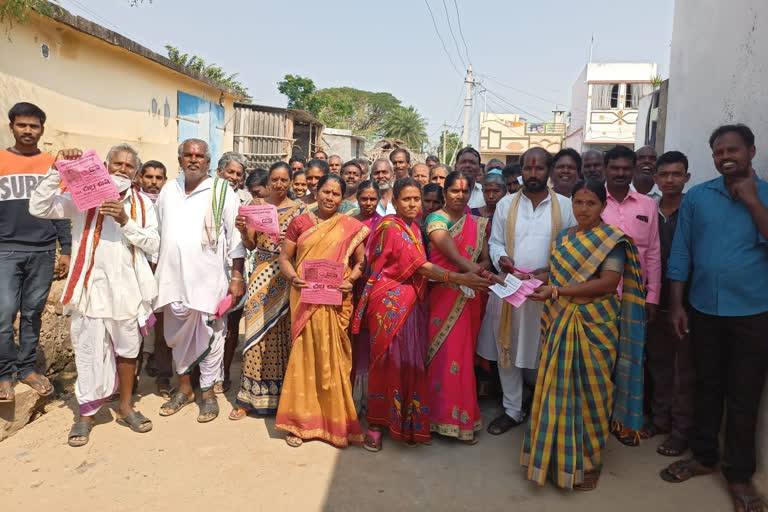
(525, 224)
(110, 288)
(197, 222)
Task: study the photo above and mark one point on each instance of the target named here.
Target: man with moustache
(297, 164)
(28, 247)
(525, 225)
(401, 162)
(468, 160)
(232, 167)
(110, 288)
(352, 174)
(153, 177)
(381, 173)
(720, 251)
(320, 155)
(645, 171)
(334, 164)
(197, 224)
(593, 165)
(637, 216)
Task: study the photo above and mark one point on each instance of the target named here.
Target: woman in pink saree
(458, 242)
(393, 309)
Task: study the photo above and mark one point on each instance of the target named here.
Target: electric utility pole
(467, 106)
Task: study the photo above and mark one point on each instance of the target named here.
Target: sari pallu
(267, 323)
(454, 324)
(392, 309)
(316, 400)
(361, 342)
(591, 371)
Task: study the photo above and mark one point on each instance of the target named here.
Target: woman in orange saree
(458, 242)
(393, 308)
(316, 400)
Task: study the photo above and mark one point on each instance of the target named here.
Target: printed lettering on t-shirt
(18, 186)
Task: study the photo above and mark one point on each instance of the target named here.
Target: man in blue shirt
(721, 250)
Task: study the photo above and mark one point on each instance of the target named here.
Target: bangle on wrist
(235, 278)
(555, 293)
(446, 277)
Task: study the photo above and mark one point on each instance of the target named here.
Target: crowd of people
(649, 319)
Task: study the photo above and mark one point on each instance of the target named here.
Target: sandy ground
(246, 465)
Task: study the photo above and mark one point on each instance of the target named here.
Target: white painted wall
(574, 137)
(718, 74)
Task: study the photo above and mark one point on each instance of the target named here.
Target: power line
(450, 29)
(502, 99)
(547, 100)
(101, 19)
(437, 31)
(461, 32)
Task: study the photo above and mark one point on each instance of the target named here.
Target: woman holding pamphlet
(591, 372)
(267, 318)
(321, 257)
(459, 243)
(393, 308)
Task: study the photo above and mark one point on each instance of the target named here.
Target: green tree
(212, 71)
(406, 124)
(18, 10)
(363, 112)
(301, 93)
(452, 146)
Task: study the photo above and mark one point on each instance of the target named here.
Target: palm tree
(406, 124)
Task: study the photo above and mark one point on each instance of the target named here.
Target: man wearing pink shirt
(636, 215)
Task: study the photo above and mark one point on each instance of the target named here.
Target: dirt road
(246, 465)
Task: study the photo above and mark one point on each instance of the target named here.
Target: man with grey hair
(110, 288)
(334, 164)
(382, 174)
(232, 167)
(197, 223)
(592, 165)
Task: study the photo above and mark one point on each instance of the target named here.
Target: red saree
(454, 324)
(392, 309)
(316, 400)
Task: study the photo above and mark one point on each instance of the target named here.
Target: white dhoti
(195, 338)
(97, 342)
(525, 349)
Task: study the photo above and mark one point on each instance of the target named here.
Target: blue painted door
(201, 119)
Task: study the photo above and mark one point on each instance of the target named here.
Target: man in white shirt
(468, 160)
(197, 222)
(232, 167)
(110, 287)
(382, 174)
(525, 224)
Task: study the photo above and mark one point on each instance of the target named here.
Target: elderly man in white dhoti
(524, 226)
(197, 224)
(110, 288)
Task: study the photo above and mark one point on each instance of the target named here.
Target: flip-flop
(672, 447)
(175, 404)
(136, 422)
(163, 386)
(207, 407)
(39, 382)
(293, 441)
(372, 441)
(748, 501)
(79, 429)
(237, 414)
(683, 470)
(502, 424)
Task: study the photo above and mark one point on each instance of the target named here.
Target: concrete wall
(96, 94)
(504, 135)
(342, 143)
(718, 75)
(575, 133)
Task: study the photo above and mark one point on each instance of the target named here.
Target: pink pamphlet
(526, 288)
(323, 279)
(262, 218)
(224, 306)
(87, 180)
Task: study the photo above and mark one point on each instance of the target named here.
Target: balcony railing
(544, 128)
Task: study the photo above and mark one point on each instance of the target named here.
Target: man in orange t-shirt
(27, 251)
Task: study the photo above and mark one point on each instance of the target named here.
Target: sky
(525, 54)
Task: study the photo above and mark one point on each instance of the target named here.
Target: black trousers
(731, 359)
